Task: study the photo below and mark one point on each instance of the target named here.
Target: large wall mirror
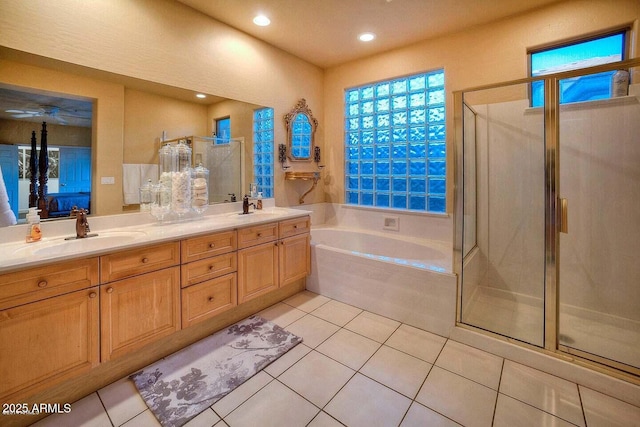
(138, 116)
(301, 128)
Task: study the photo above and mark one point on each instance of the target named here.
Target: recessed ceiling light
(366, 37)
(201, 95)
(261, 21)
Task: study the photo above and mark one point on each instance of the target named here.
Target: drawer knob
(93, 295)
(211, 268)
(42, 284)
(210, 299)
(109, 290)
(145, 260)
(212, 245)
(259, 235)
(295, 226)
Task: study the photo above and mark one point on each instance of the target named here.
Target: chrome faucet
(246, 204)
(82, 225)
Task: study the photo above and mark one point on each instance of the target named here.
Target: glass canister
(160, 201)
(200, 189)
(184, 156)
(145, 197)
(168, 159)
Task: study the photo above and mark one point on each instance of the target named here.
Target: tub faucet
(82, 225)
(246, 204)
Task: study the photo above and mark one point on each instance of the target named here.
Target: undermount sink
(74, 246)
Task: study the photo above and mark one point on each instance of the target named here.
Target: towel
(134, 175)
(7, 217)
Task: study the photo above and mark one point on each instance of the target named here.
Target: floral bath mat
(180, 386)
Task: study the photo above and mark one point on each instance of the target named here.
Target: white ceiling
(324, 32)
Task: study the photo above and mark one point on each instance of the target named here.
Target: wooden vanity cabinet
(47, 339)
(285, 259)
(144, 304)
(208, 276)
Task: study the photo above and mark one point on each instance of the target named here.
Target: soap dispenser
(34, 233)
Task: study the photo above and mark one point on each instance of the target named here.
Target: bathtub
(405, 279)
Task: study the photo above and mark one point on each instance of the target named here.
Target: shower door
(548, 218)
(599, 270)
(503, 242)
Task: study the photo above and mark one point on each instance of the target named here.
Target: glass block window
(395, 151)
(601, 50)
(263, 150)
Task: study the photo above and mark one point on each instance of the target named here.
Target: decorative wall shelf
(305, 176)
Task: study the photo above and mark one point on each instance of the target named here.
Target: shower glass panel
(599, 295)
(503, 275)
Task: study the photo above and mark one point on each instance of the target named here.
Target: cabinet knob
(93, 295)
(42, 284)
(109, 290)
(295, 226)
(259, 235)
(210, 299)
(145, 260)
(212, 245)
(211, 267)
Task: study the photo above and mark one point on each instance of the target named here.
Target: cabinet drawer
(205, 269)
(123, 264)
(207, 299)
(207, 246)
(292, 227)
(38, 283)
(256, 235)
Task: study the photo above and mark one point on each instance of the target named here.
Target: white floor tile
(547, 392)
(206, 418)
(313, 330)
(281, 314)
(349, 348)
(397, 370)
(86, 412)
(317, 378)
(416, 342)
(306, 301)
(365, 403)
(477, 365)
(238, 396)
(464, 401)
(421, 416)
(511, 412)
(324, 420)
(337, 312)
(373, 326)
(285, 361)
(602, 410)
(122, 401)
(144, 419)
(273, 406)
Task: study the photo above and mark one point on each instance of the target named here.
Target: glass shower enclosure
(548, 217)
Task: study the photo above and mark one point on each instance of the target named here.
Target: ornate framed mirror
(301, 128)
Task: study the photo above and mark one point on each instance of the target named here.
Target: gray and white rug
(180, 386)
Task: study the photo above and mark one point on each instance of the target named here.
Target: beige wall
(165, 42)
(482, 55)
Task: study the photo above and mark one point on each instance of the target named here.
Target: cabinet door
(208, 299)
(295, 258)
(139, 310)
(257, 271)
(48, 341)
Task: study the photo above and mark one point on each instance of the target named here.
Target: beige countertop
(125, 231)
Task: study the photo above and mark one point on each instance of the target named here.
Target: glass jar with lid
(200, 189)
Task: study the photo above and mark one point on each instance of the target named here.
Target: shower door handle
(564, 215)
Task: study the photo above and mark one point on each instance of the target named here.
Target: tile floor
(356, 368)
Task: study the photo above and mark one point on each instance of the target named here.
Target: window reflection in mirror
(301, 127)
